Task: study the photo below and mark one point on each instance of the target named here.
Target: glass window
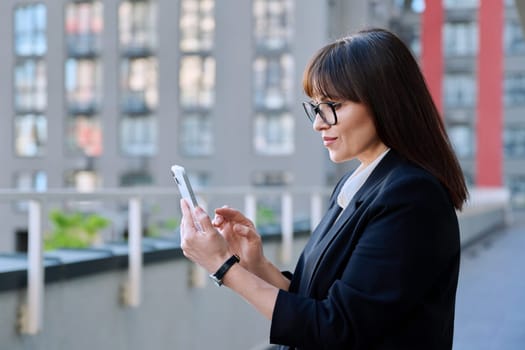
(197, 25)
(84, 25)
(514, 86)
(456, 4)
(513, 37)
(273, 26)
(197, 135)
(274, 134)
(197, 81)
(30, 85)
(461, 137)
(84, 180)
(461, 38)
(138, 27)
(136, 178)
(273, 77)
(83, 85)
(273, 81)
(138, 135)
(139, 85)
(516, 184)
(197, 76)
(30, 135)
(30, 80)
(30, 30)
(514, 141)
(84, 136)
(460, 90)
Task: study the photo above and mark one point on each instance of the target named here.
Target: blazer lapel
(330, 232)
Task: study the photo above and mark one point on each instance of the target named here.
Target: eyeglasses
(325, 110)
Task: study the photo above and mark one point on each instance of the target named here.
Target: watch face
(217, 281)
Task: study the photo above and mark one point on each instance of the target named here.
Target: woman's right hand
(241, 236)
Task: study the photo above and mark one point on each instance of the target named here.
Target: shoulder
(405, 182)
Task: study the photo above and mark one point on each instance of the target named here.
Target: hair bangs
(327, 76)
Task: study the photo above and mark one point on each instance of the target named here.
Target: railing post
(31, 313)
(287, 227)
(132, 292)
(316, 210)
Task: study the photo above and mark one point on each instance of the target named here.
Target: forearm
(256, 291)
(271, 274)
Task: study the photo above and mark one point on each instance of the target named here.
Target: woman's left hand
(206, 247)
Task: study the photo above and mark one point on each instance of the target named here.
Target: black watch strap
(218, 276)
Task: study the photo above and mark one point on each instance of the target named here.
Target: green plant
(74, 230)
(265, 216)
(154, 228)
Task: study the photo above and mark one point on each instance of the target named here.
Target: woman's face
(354, 135)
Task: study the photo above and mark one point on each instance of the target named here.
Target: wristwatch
(218, 276)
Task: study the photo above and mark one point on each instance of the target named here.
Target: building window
(197, 76)
(30, 80)
(461, 38)
(197, 135)
(139, 77)
(29, 181)
(82, 180)
(460, 4)
(197, 82)
(459, 90)
(83, 77)
(514, 141)
(273, 71)
(138, 27)
(139, 135)
(513, 37)
(274, 134)
(462, 139)
(197, 25)
(136, 178)
(84, 136)
(514, 86)
(83, 86)
(30, 135)
(516, 185)
(273, 82)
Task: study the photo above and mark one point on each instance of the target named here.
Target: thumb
(242, 230)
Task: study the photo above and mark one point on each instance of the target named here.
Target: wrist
(220, 273)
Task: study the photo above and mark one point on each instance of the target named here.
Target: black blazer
(383, 275)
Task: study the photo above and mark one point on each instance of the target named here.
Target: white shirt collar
(356, 180)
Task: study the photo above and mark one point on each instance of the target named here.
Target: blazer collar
(382, 170)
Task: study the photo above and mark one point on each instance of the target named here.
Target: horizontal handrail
(31, 318)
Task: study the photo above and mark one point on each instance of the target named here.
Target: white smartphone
(179, 174)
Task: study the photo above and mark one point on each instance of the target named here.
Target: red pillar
(432, 49)
(489, 155)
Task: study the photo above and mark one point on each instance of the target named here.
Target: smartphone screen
(179, 174)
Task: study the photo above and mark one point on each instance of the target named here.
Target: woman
(380, 271)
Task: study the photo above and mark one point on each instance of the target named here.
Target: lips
(327, 140)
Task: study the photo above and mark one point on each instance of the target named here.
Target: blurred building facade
(112, 93)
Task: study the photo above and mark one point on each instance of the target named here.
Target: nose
(319, 124)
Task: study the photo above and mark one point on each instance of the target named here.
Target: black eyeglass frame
(316, 108)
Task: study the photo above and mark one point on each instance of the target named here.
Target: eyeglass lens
(324, 109)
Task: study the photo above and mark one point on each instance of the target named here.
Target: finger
(218, 220)
(204, 220)
(230, 214)
(242, 230)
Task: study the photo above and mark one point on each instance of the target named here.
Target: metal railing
(31, 312)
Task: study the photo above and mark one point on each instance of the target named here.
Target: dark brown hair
(374, 67)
